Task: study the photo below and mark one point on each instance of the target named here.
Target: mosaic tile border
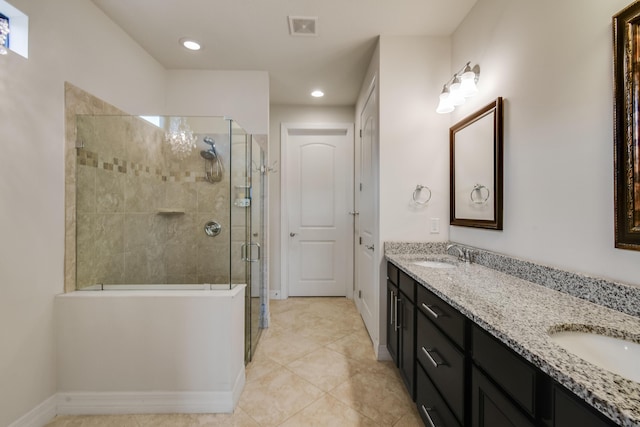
(93, 159)
(617, 296)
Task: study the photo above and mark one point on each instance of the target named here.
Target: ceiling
(254, 35)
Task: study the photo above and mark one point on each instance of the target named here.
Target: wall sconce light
(460, 86)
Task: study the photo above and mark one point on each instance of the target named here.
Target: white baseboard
(275, 294)
(108, 403)
(38, 416)
(382, 353)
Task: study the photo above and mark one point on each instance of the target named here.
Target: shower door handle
(247, 257)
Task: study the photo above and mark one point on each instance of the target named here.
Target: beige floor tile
(277, 396)
(410, 419)
(356, 345)
(328, 412)
(260, 366)
(324, 368)
(238, 419)
(287, 346)
(94, 421)
(165, 420)
(379, 397)
(315, 366)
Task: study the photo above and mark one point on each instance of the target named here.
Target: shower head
(208, 155)
(209, 141)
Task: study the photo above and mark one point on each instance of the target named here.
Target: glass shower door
(247, 213)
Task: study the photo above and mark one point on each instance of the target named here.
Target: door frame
(285, 129)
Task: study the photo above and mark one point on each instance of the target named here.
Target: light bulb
(445, 105)
(455, 95)
(468, 84)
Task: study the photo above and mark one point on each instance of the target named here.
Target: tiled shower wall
(127, 179)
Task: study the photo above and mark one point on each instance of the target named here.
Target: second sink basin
(612, 354)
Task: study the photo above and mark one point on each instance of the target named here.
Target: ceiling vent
(303, 26)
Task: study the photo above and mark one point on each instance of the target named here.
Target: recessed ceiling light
(190, 44)
(317, 94)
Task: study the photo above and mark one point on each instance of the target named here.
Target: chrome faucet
(464, 254)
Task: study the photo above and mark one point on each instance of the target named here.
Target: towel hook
(416, 194)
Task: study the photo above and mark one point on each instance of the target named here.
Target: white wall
(414, 139)
(290, 114)
(552, 62)
(70, 40)
(414, 147)
(240, 95)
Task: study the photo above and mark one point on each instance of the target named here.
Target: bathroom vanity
(474, 348)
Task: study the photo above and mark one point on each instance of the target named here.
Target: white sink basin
(435, 264)
(613, 354)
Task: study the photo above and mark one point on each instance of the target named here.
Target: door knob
(372, 247)
(292, 234)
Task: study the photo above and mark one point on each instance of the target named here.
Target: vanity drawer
(505, 367)
(443, 362)
(407, 286)
(448, 319)
(392, 273)
(432, 408)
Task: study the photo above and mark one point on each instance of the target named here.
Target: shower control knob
(212, 228)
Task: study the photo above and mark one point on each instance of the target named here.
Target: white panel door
(366, 288)
(319, 198)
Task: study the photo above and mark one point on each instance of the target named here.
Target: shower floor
(315, 362)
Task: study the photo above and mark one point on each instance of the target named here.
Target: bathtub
(151, 349)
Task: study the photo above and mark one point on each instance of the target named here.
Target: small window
(18, 40)
(4, 34)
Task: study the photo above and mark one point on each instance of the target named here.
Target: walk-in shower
(149, 216)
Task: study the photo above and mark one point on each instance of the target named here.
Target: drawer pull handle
(429, 418)
(431, 311)
(432, 355)
(392, 316)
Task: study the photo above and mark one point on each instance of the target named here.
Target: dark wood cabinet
(407, 344)
(492, 408)
(506, 368)
(443, 362)
(433, 410)
(460, 375)
(569, 411)
(401, 324)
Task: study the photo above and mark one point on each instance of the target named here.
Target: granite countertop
(520, 313)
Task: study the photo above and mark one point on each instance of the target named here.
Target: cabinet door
(407, 349)
(392, 321)
(491, 408)
(569, 412)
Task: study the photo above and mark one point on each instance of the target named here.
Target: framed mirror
(475, 147)
(626, 125)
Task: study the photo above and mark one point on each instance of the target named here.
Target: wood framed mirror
(476, 164)
(626, 126)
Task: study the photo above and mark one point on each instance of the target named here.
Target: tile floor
(314, 366)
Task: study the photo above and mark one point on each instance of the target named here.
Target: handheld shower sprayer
(213, 164)
(209, 141)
